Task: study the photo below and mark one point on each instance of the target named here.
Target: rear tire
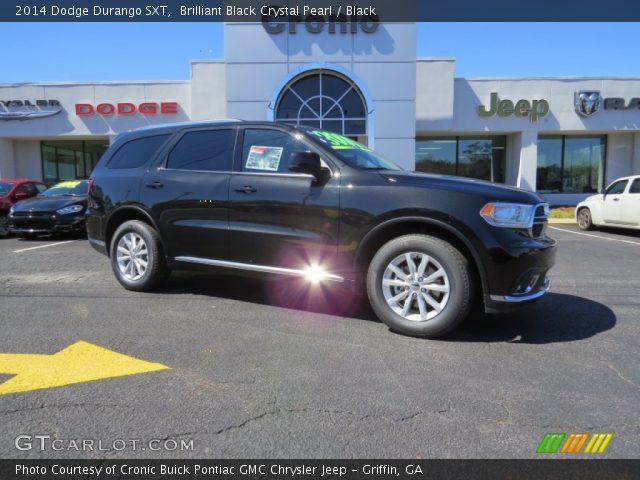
(584, 219)
(136, 255)
(430, 274)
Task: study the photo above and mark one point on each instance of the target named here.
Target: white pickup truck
(617, 206)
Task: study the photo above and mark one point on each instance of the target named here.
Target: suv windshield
(5, 187)
(72, 188)
(352, 153)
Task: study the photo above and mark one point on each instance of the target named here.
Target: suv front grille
(540, 220)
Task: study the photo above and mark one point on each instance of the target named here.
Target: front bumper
(39, 223)
(527, 296)
(517, 270)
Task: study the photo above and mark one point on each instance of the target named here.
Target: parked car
(618, 205)
(60, 209)
(308, 203)
(12, 191)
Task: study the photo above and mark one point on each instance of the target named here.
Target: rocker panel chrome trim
(255, 268)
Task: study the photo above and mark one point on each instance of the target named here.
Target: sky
(162, 51)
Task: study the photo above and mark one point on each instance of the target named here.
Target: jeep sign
(533, 109)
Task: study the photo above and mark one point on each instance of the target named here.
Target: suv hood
(48, 204)
(488, 190)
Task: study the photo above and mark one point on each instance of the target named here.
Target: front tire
(585, 221)
(136, 257)
(420, 285)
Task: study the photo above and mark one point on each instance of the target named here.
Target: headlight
(508, 215)
(70, 209)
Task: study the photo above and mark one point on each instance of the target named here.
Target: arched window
(326, 100)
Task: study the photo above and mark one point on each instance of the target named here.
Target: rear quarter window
(136, 153)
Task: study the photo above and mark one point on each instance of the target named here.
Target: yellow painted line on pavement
(42, 246)
(595, 236)
(78, 363)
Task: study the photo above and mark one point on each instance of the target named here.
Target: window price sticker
(264, 158)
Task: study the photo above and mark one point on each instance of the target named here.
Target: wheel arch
(405, 225)
(124, 214)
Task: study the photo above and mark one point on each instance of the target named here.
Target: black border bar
(385, 10)
(543, 469)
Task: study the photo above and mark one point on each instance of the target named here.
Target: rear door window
(635, 186)
(136, 153)
(203, 150)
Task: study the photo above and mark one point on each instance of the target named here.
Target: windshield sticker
(339, 142)
(68, 184)
(264, 158)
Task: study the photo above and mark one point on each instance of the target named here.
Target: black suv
(297, 201)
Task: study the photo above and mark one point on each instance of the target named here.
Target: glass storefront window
(70, 159)
(437, 155)
(476, 157)
(570, 164)
(549, 174)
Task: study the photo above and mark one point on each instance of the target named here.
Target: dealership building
(562, 137)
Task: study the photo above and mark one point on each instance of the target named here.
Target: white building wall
(257, 64)
(67, 123)
(635, 167)
(7, 169)
(407, 97)
(24, 159)
(528, 159)
(207, 93)
(621, 127)
(434, 94)
(619, 156)
(28, 162)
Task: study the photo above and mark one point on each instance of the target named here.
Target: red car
(12, 191)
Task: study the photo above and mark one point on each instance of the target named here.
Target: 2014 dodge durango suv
(309, 203)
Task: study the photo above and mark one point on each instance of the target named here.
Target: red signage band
(126, 108)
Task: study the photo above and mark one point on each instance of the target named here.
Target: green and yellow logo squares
(574, 443)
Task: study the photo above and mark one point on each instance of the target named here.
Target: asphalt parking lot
(249, 378)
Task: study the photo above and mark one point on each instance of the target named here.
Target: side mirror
(20, 196)
(305, 162)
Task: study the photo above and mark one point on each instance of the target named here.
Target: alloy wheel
(416, 286)
(132, 256)
(583, 219)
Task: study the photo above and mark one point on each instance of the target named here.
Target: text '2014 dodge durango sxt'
(309, 203)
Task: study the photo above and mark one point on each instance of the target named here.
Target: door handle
(155, 184)
(616, 199)
(246, 189)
